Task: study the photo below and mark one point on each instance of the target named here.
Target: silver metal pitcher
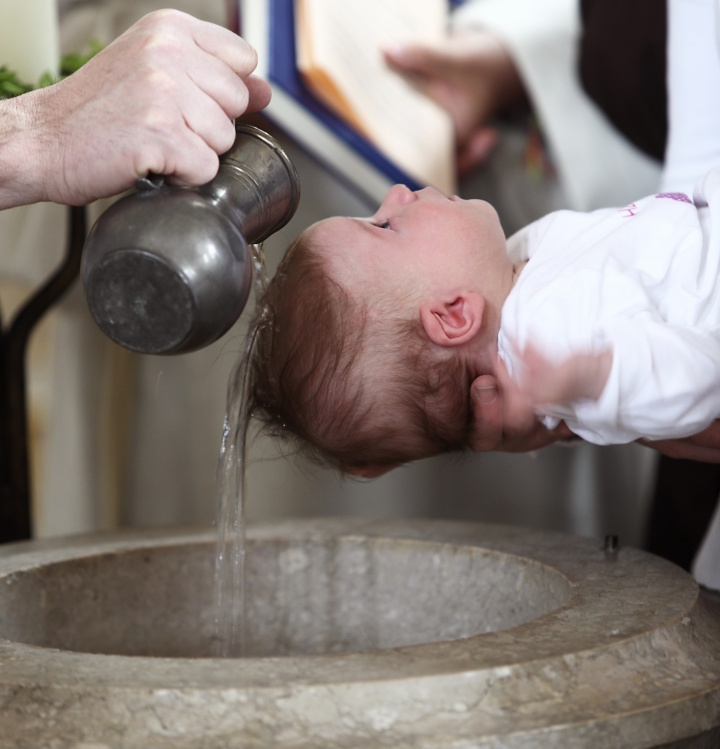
(167, 269)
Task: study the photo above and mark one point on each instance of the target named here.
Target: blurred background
(122, 440)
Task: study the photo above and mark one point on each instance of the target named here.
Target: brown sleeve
(622, 67)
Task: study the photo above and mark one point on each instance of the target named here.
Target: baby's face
(414, 241)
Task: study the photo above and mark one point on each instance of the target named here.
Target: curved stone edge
(651, 699)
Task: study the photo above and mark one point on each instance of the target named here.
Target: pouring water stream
(230, 520)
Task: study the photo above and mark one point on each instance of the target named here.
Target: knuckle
(239, 100)
(249, 55)
(158, 48)
(225, 137)
(204, 167)
(158, 119)
(162, 17)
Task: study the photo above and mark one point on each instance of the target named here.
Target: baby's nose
(398, 195)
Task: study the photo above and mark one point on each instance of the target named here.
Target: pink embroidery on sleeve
(679, 196)
(629, 210)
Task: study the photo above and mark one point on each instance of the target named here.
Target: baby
(375, 328)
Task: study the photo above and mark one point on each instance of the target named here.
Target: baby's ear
(451, 322)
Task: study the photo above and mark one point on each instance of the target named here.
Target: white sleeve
(693, 146)
(663, 385)
(598, 167)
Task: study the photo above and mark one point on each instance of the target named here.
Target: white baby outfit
(642, 279)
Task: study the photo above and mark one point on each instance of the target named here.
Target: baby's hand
(542, 382)
(579, 377)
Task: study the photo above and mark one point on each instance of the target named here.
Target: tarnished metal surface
(167, 269)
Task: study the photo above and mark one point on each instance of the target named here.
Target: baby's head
(350, 358)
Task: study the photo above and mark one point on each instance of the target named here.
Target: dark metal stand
(15, 496)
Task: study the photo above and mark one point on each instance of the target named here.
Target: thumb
(487, 407)
(412, 59)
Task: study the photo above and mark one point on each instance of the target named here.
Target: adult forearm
(160, 98)
(21, 152)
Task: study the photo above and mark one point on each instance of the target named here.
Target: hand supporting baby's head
(356, 390)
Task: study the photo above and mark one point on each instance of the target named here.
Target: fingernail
(485, 394)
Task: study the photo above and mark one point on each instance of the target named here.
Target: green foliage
(73, 62)
(11, 85)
